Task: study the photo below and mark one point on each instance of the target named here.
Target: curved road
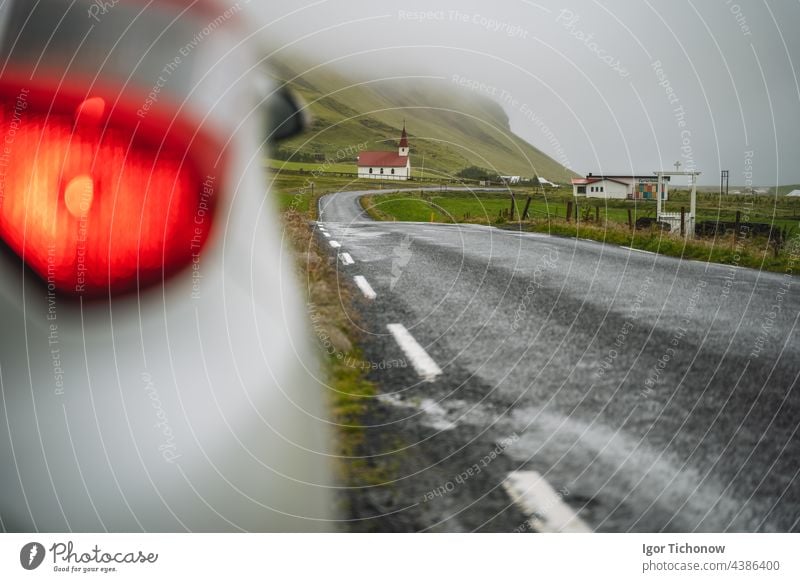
(569, 385)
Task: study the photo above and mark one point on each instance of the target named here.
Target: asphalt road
(636, 392)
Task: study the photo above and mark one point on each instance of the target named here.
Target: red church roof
(385, 159)
(382, 160)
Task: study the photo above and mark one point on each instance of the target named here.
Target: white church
(386, 165)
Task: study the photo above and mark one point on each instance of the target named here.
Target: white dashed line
(346, 258)
(335, 244)
(545, 508)
(325, 234)
(365, 287)
(420, 360)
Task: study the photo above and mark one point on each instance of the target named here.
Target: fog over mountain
(600, 86)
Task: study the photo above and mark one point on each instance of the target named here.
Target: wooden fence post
(683, 221)
(630, 219)
(527, 206)
(569, 211)
(513, 206)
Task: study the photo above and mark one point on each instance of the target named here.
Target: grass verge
(752, 252)
(352, 394)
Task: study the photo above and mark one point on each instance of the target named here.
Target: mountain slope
(449, 128)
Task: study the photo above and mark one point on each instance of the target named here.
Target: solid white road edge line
(544, 507)
(639, 250)
(420, 360)
(347, 259)
(335, 244)
(365, 287)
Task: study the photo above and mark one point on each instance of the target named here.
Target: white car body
(193, 404)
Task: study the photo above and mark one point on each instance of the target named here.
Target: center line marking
(335, 244)
(420, 360)
(544, 507)
(325, 234)
(346, 258)
(365, 287)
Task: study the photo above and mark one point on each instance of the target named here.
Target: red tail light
(95, 203)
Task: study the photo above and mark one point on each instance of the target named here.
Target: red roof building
(386, 165)
(385, 159)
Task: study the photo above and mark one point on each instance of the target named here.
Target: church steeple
(403, 151)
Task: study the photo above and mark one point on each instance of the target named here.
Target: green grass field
(293, 191)
(348, 168)
(343, 168)
(548, 214)
(486, 207)
(459, 208)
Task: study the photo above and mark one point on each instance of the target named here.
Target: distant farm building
(510, 179)
(794, 193)
(386, 165)
(622, 187)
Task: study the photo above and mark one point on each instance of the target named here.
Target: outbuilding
(620, 187)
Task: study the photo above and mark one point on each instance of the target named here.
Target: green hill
(449, 128)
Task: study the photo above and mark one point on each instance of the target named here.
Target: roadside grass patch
(549, 216)
(752, 253)
(351, 394)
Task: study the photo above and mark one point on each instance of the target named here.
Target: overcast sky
(611, 87)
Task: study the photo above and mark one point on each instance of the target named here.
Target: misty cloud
(617, 86)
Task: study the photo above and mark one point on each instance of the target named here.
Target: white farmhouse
(386, 165)
(618, 186)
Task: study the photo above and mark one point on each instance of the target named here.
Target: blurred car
(155, 371)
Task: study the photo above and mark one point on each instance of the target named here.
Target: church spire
(404, 141)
